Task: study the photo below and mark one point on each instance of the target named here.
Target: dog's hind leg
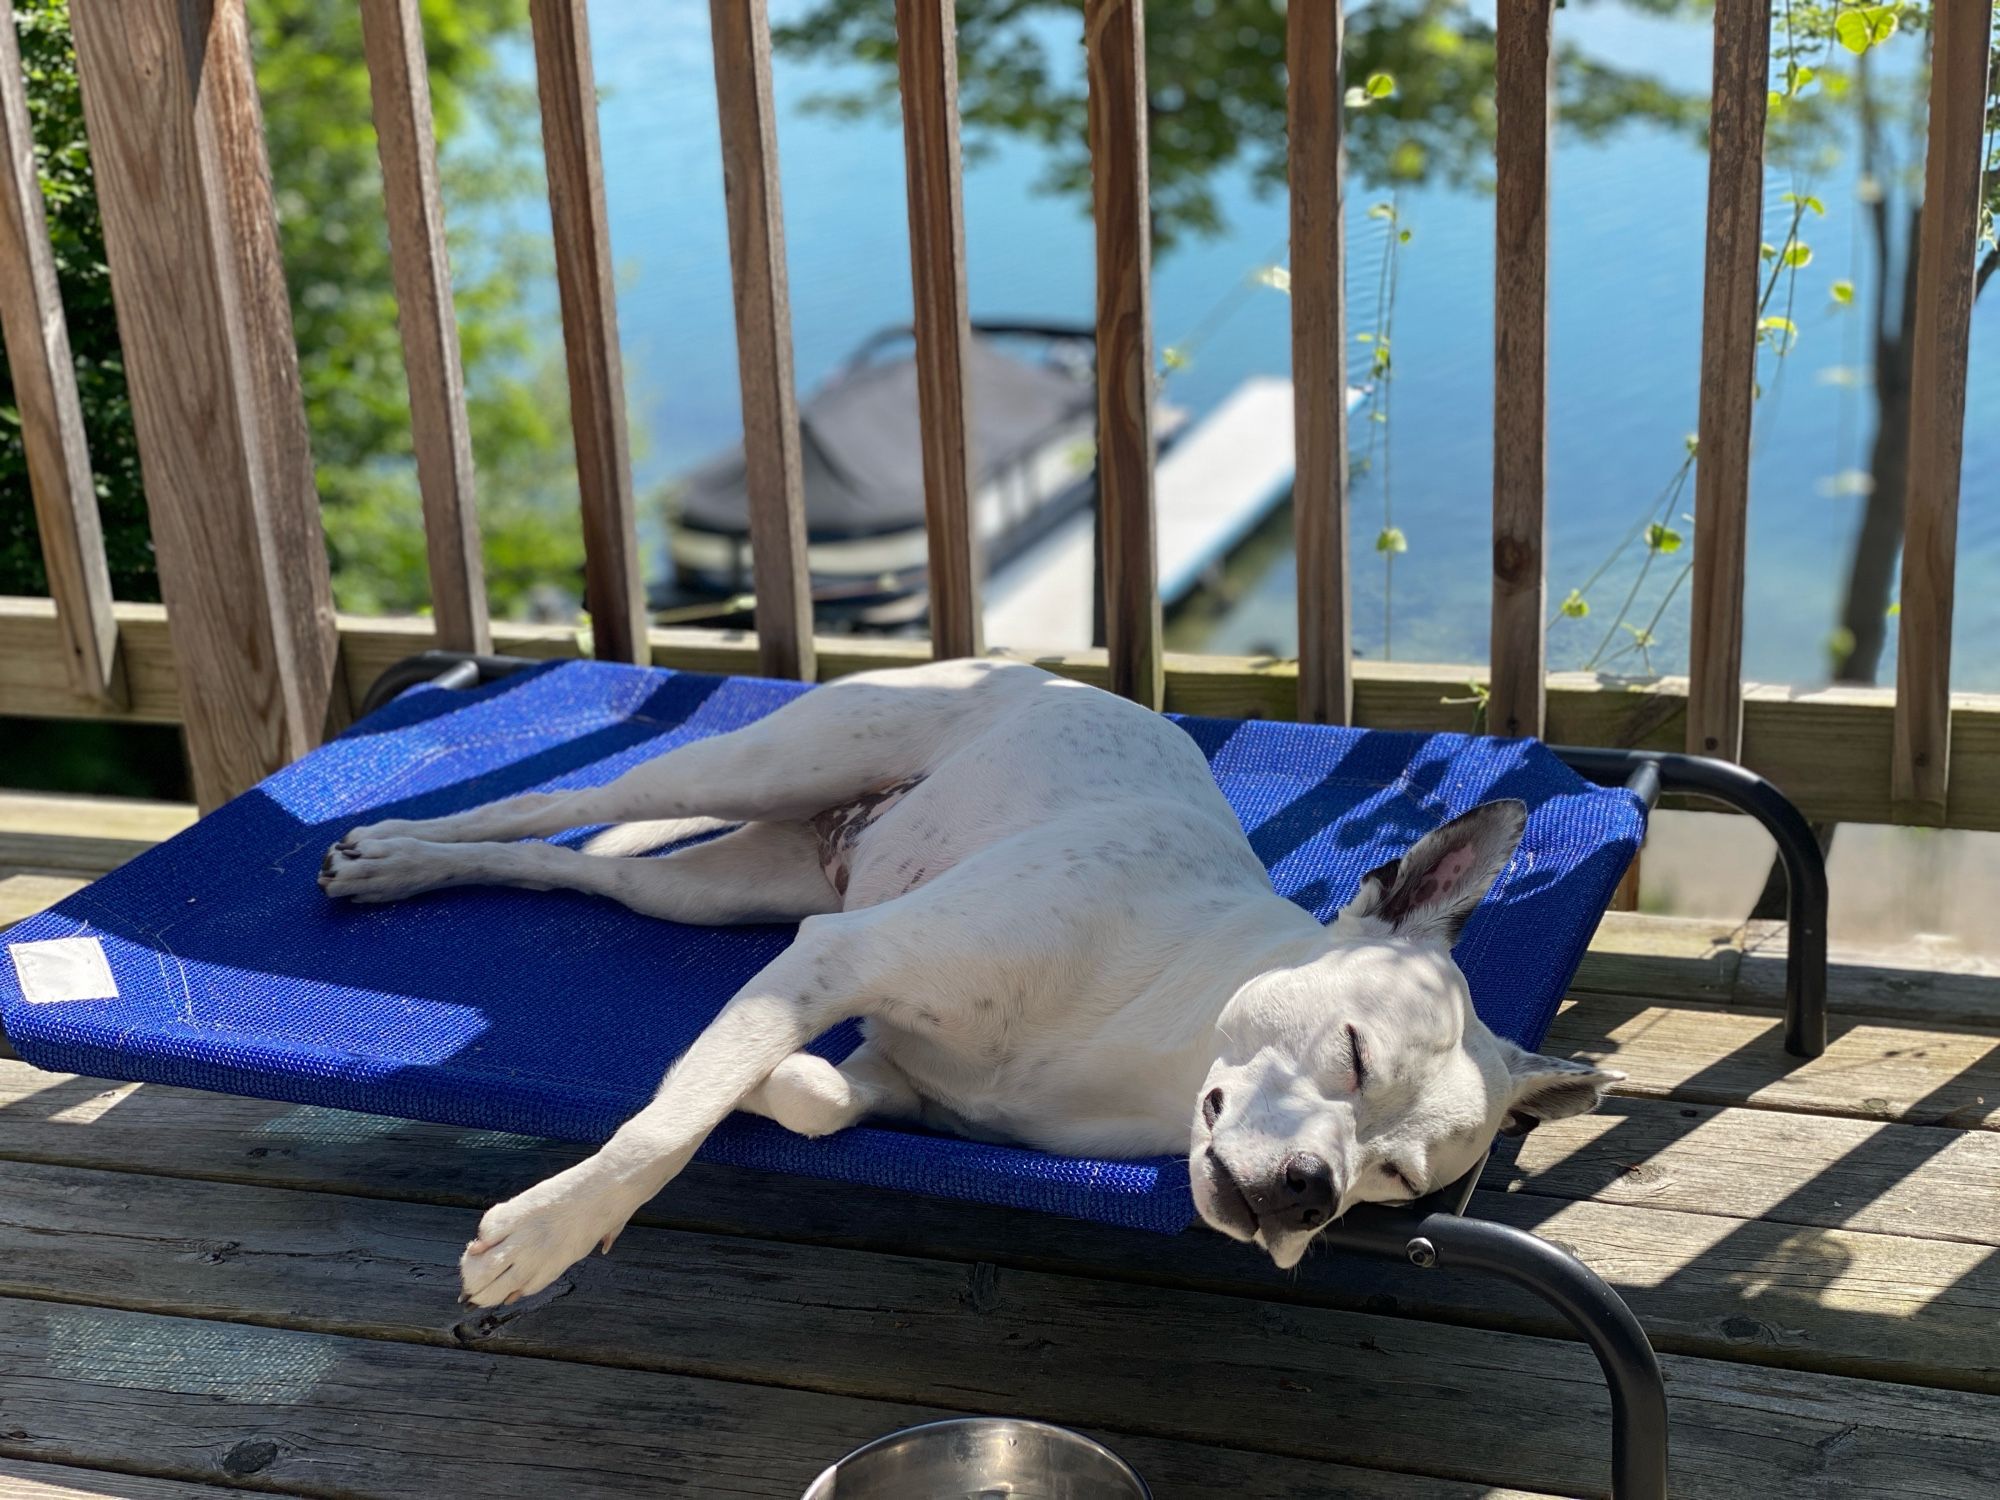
(810, 1096)
(818, 751)
(762, 872)
(526, 1242)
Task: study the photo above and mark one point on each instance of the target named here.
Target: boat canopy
(862, 453)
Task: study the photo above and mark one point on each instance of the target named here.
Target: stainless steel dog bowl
(981, 1458)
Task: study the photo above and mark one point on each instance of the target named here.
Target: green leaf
(1779, 332)
(1378, 416)
(1797, 254)
(1364, 338)
(1843, 292)
(1858, 30)
(1806, 201)
(1662, 539)
(1801, 77)
(1895, 609)
(1641, 637)
(1356, 98)
(1173, 358)
(1693, 442)
(1391, 540)
(1576, 607)
(1381, 210)
(1403, 238)
(1767, 252)
(1380, 85)
(1278, 278)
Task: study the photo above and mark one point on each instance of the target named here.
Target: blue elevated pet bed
(214, 962)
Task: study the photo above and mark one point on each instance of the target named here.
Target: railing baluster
(1946, 254)
(1525, 98)
(1115, 35)
(1313, 43)
(190, 227)
(51, 415)
(1728, 374)
(616, 589)
(927, 60)
(773, 466)
(392, 34)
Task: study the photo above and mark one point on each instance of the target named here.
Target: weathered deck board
(28, 1481)
(1834, 1301)
(1743, 964)
(1812, 1171)
(689, 1309)
(21, 896)
(1873, 1070)
(82, 835)
(304, 1411)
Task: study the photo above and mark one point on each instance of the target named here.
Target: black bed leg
(1638, 1396)
(1805, 864)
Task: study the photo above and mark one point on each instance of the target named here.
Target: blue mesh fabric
(554, 1014)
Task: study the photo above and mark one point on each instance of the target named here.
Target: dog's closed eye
(1402, 1179)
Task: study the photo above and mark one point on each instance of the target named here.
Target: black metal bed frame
(1436, 1232)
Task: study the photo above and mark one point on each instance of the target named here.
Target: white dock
(1211, 490)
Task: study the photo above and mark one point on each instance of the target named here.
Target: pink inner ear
(1445, 875)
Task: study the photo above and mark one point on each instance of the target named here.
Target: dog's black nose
(1303, 1193)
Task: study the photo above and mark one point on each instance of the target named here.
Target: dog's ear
(1429, 892)
(1550, 1088)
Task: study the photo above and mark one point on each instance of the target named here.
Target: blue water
(1624, 326)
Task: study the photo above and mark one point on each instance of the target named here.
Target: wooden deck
(200, 1292)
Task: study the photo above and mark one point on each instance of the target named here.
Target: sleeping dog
(1056, 933)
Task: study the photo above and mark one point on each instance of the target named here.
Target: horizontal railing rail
(251, 661)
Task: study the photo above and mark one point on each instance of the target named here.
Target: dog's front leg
(527, 1242)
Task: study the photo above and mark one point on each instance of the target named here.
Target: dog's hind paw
(525, 1243)
(371, 869)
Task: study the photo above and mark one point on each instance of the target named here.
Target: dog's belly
(976, 1086)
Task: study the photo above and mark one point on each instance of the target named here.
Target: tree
(1215, 83)
(334, 240)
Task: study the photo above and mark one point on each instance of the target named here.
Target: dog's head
(1362, 1075)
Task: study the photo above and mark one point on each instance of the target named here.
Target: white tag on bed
(63, 969)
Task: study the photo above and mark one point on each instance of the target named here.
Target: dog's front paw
(527, 1242)
(367, 869)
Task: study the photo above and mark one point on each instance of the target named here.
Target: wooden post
(190, 227)
(1947, 252)
(1524, 95)
(44, 376)
(773, 465)
(393, 36)
(568, 88)
(1315, 164)
(1728, 374)
(1115, 36)
(927, 60)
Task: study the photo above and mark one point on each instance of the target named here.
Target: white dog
(1058, 935)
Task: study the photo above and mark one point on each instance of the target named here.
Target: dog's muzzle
(1298, 1195)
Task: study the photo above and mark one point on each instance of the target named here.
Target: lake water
(1624, 327)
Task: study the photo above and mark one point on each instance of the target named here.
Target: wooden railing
(258, 668)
